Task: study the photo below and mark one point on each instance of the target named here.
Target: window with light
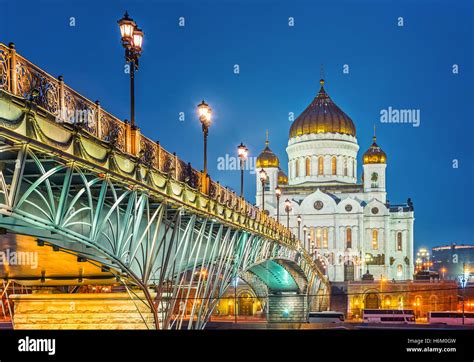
(308, 166)
(320, 165)
(348, 238)
(375, 239)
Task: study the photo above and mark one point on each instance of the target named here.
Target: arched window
(399, 241)
(320, 165)
(297, 168)
(345, 167)
(334, 165)
(400, 303)
(308, 166)
(325, 238)
(353, 168)
(348, 238)
(375, 239)
(418, 302)
(318, 237)
(372, 301)
(399, 270)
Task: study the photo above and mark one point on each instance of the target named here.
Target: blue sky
(402, 67)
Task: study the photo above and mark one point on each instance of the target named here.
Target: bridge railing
(22, 78)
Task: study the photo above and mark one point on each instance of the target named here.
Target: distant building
(449, 260)
(420, 296)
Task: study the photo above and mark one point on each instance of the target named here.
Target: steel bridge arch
(147, 240)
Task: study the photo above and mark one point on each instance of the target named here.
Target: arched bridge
(74, 177)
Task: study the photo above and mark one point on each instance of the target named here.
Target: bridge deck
(63, 118)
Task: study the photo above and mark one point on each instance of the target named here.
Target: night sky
(409, 67)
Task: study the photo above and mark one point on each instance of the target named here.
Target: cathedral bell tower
(375, 163)
(269, 163)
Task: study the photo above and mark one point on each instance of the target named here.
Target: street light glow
(127, 25)
(278, 191)
(242, 151)
(137, 40)
(205, 113)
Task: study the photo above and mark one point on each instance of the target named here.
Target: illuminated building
(348, 225)
(420, 296)
(449, 260)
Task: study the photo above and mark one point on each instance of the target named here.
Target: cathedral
(350, 227)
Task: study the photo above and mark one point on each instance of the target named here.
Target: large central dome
(322, 116)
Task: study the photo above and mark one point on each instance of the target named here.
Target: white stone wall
(328, 145)
(362, 219)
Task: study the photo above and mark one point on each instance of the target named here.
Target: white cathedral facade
(350, 227)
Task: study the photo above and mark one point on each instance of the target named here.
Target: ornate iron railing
(22, 78)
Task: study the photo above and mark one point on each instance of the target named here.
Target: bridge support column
(287, 308)
(81, 311)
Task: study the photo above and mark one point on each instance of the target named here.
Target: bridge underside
(94, 215)
(44, 267)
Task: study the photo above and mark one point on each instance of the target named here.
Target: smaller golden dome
(267, 158)
(374, 154)
(282, 178)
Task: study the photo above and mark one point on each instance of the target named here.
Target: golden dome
(374, 154)
(282, 178)
(322, 116)
(267, 158)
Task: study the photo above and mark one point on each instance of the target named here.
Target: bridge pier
(287, 308)
(81, 311)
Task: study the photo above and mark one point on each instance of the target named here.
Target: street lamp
(242, 151)
(205, 113)
(305, 229)
(443, 270)
(368, 259)
(287, 209)
(298, 219)
(278, 195)
(464, 281)
(263, 180)
(132, 41)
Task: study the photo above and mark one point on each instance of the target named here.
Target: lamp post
(443, 270)
(287, 209)
(368, 259)
(263, 180)
(205, 113)
(298, 219)
(464, 281)
(278, 195)
(132, 41)
(242, 151)
(305, 229)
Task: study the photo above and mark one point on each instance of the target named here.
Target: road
(344, 326)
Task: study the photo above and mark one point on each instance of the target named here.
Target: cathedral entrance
(372, 301)
(246, 304)
(348, 271)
